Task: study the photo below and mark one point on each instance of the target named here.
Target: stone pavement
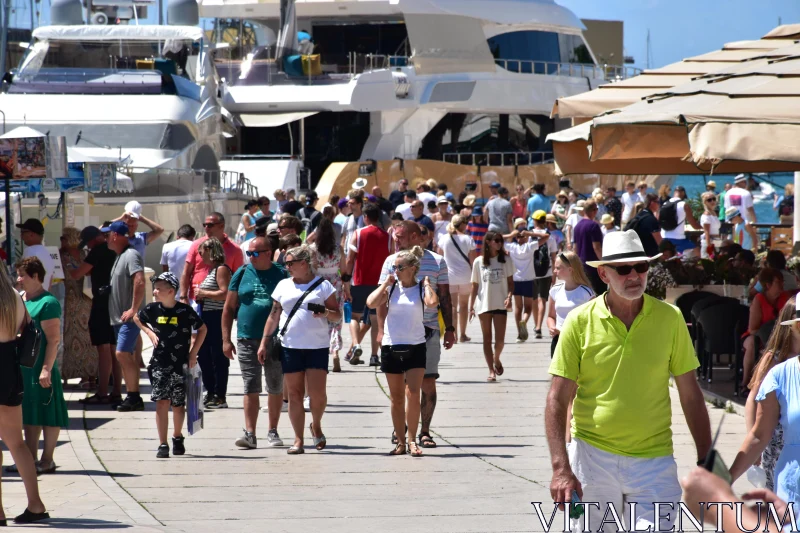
(491, 462)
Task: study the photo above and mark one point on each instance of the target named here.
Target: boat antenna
(649, 50)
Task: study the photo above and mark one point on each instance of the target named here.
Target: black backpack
(541, 261)
(668, 216)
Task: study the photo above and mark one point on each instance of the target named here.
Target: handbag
(29, 341)
(274, 346)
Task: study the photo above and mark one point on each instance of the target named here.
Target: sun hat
(539, 214)
(442, 200)
(469, 200)
(607, 219)
(622, 247)
(551, 218)
(360, 183)
(579, 205)
(133, 209)
(731, 213)
(796, 315)
(519, 221)
(712, 184)
(597, 191)
(563, 193)
(477, 211)
(740, 177)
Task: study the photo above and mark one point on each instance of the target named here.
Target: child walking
(169, 324)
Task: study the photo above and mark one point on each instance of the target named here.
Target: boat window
(177, 137)
(542, 47)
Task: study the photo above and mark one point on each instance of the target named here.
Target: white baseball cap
(133, 209)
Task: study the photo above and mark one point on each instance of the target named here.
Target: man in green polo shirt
(250, 292)
(615, 356)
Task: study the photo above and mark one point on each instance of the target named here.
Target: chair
(714, 327)
(686, 301)
(699, 307)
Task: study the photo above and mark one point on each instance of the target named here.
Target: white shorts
(607, 478)
(464, 288)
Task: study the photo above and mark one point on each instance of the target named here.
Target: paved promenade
(491, 462)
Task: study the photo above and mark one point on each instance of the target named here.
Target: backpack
(541, 261)
(668, 216)
(786, 207)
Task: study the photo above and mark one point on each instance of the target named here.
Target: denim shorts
(126, 334)
(300, 360)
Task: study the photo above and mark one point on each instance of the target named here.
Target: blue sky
(685, 28)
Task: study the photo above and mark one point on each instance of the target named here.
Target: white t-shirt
(48, 262)
(459, 271)
(304, 332)
(174, 253)
(404, 317)
(741, 198)
(552, 248)
(565, 301)
(405, 210)
(628, 201)
(714, 223)
(573, 220)
(426, 197)
(679, 232)
(522, 257)
(606, 231)
(492, 283)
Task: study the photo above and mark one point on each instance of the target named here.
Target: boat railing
(582, 70)
(498, 159)
(175, 181)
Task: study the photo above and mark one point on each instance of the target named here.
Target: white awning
(270, 120)
(21, 132)
(113, 33)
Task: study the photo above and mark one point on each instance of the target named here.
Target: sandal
(48, 469)
(394, 435)
(414, 450)
(319, 443)
(491, 379)
(400, 449)
(96, 399)
(295, 450)
(425, 440)
(498, 368)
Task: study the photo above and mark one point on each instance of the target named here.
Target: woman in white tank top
(403, 345)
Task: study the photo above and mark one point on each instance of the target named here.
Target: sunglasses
(256, 253)
(624, 270)
(394, 268)
(711, 200)
(210, 224)
(292, 262)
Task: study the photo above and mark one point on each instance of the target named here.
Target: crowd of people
(411, 270)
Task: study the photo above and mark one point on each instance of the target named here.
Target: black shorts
(167, 384)
(541, 287)
(360, 293)
(100, 329)
(523, 288)
(401, 358)
(11, 387)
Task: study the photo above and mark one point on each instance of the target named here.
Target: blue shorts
(126, 334)
(299, 360)
(681, 245)
(523, 288)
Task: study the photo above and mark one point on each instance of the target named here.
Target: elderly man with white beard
(615, 356)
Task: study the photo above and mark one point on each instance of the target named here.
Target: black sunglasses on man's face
(624, 270)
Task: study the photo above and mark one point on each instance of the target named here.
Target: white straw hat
(622, 247)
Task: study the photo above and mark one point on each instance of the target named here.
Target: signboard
(100, 177)
(23, 158)
(55, 255)
(53, 185)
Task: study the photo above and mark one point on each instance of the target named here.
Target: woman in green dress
(43, 405)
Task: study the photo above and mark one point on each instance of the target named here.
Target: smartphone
(575, 511)
(316, 308)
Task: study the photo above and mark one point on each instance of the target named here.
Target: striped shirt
(210, 284)
(477, 232)
(435, 268)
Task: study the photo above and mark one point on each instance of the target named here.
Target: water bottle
(757, 476)
(348, 311)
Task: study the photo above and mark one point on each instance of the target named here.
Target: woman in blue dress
(778, 401)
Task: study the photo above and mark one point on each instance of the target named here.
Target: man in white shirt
(629, 199)
(572, 220)
(173, 254)
(405, 209)
(741, 198)
(32, 233)
(424, 194)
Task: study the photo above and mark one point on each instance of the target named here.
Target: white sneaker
(307, 404)
(285, 407)
(273, 439)
(265, 409)
(247, 440)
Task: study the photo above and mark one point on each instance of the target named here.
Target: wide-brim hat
(796, 315)
(607, 219)
(360, 183)
(469, 200)
(622, 247)
(740, 178)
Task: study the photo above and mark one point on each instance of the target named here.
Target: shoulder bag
(29, 342)
(274, 347)
(455, 243)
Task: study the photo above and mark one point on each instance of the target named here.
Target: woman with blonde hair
(302, 306)
(561, 209)
(12, 318)
(80, 359)
(459, 253)
(211, 297)
(710, 223)
(403, 347)
(572, 289)
(664, 194)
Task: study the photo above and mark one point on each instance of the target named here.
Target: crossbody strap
(455, 243)
(421, 294)
(298, 304)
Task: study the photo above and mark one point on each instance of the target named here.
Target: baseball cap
(262, 222)
(680, 188)
(539, 214)
(477, 211)
(740, 177)
(342, 203)
(89, 233)
(442, 200)
(372, 198)
(449, 195)
(134, 209)
(731, 213)
(168, 277)
(495, 185)
(118, 227)
(32, 224)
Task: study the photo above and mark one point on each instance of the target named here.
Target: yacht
(469, 83)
